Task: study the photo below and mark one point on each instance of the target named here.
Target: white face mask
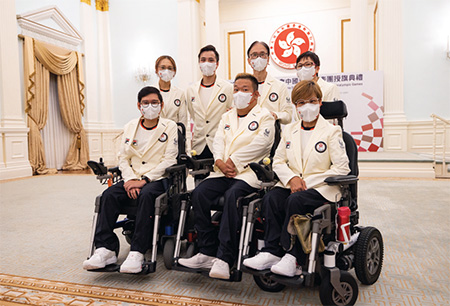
(242, 99)
(150, 112)
(309, 111)
(166, 75)
(259, 64)
(306, 74)
(208, 69)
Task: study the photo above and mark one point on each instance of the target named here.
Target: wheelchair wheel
(329, 295)
(191, 250)
(369, 255)
(168, 251)
(267, 284)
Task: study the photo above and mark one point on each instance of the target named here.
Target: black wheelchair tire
(369, 253)
(168, 251)
(267, 284)
(191, 250)
(329, 295)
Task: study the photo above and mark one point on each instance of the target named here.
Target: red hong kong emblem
(288, 42)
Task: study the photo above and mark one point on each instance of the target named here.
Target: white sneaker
(133, 263)
(197, 261)
(101, 258)
(262, 261)
(287, 266)
(220, 269)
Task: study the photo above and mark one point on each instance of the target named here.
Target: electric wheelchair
(165, 206)
(363, 251)
(186, 225)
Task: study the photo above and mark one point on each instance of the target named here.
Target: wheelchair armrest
(196, 164)
(97, 167)
(262, 172)
(175, 169)
(341, 180)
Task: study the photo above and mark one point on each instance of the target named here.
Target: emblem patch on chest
(127, 140)
(288, 144)
(227, 127)
(222, 98)
(321, 147)
(163, 137)
(177, 102)
(253, 125)
(273, 97)
(134, 142)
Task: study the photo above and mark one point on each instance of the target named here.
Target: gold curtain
(67, 66)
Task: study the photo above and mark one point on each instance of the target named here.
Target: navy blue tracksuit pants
(113, 199)
(278, 207)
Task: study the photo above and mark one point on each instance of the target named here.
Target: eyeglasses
(303, 102)
(306, 65)
(153, 103)
(256, 55)
(166, 67)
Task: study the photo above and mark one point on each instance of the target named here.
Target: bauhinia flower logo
(291, 45)
(288, 42)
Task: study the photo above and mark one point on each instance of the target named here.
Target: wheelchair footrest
(235, 275)
(108, 268)
(294, 281)
(147, 267)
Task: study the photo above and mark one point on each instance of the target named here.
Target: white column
(89, 48)
(391, 63)
(104, 68)
(212, 33)
(359, 42)
(188, 42)
(13, 130)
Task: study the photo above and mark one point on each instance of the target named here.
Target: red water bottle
(343, 223)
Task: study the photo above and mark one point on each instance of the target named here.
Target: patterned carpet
(44, 233)
(34, 291)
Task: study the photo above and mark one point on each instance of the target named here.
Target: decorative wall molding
(104, 143)
(14, 153)
(31, 25)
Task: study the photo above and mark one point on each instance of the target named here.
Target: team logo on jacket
(266, 132)
(192, 99)
(134, 142)
(253, 125)
(288, 42)
(127, 140)
(177, 102)
(163, 137)
(222, 98)
(227, 127)
(321, 147)
(273, 97)
(288, 144)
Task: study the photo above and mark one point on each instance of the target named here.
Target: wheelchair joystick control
(266, 161)
(343, 224)
(193, 153)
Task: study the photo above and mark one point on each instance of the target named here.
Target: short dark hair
(311, 55)
(248, 76)
(149, 90)
(258, 42)
(209, 48)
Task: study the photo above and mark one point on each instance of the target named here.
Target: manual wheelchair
(363, 250)
(165, 206)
